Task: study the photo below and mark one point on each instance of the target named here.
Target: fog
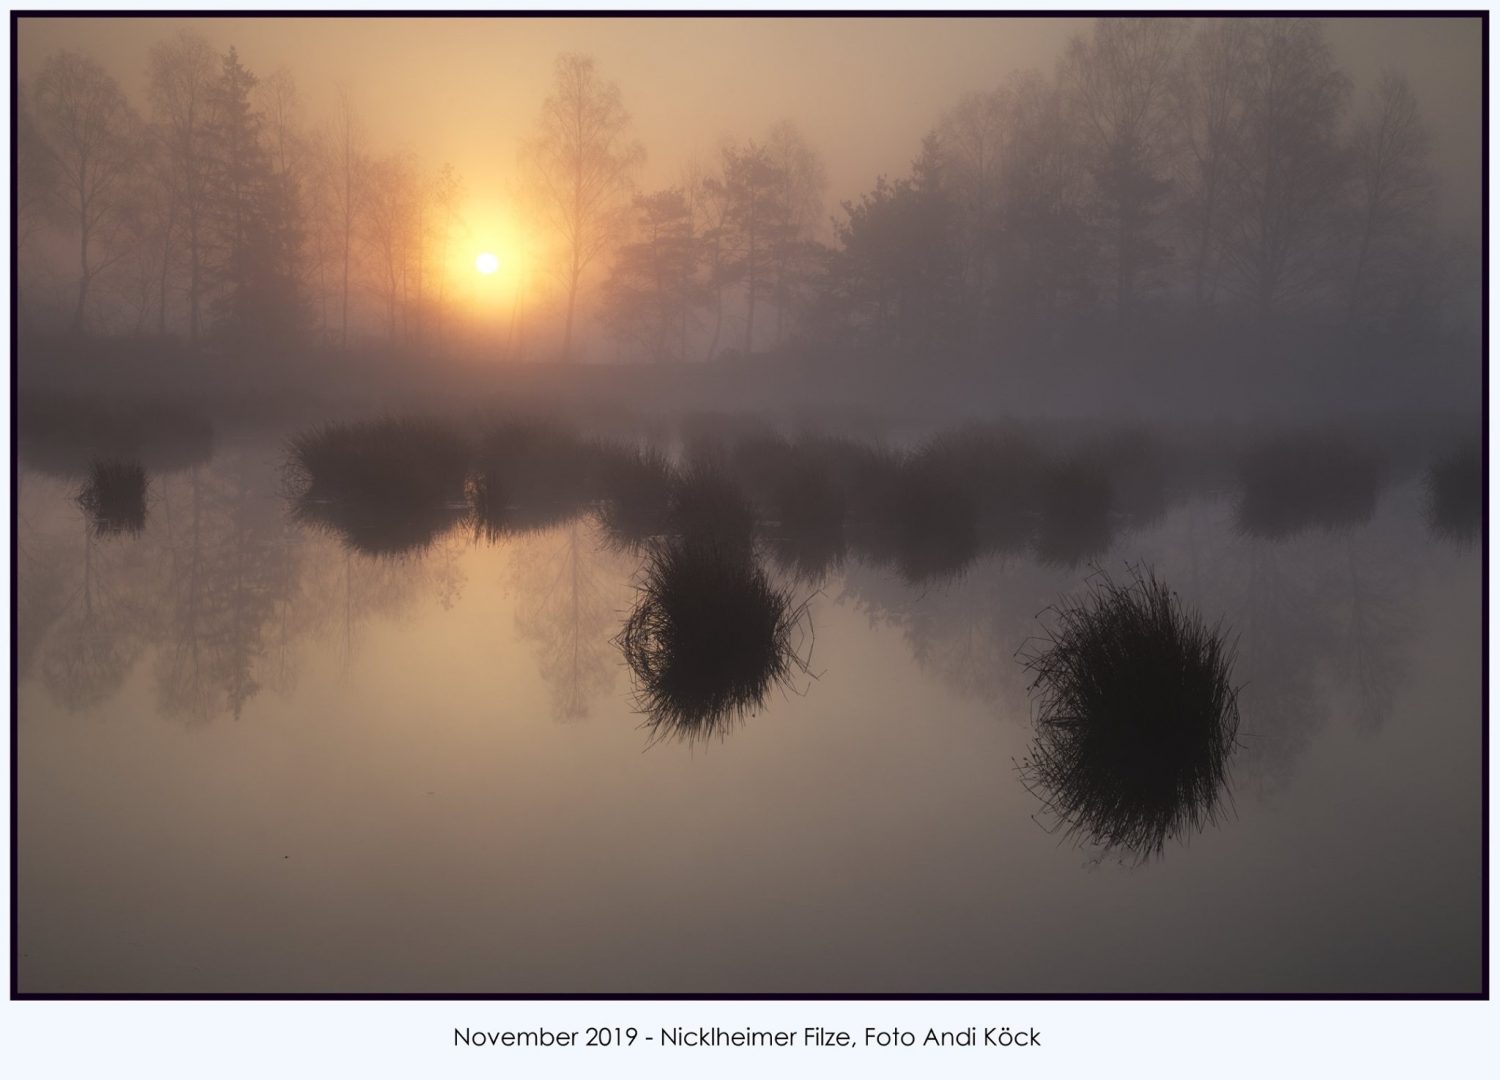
(981, 196)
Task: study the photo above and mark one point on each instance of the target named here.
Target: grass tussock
(114, 497)
(708, 509)
(800, 505)
(1136, 716)
(637, 484)
(708, 638)
(385, 487)
(1074, 513)
(1455, 496)
(1307, 481)
(533, 475)
(392, 461)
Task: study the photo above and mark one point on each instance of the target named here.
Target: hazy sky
(863, 90)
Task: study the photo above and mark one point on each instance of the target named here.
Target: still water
(254, 760)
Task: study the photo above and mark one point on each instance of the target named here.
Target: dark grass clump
(532, 475)
(998, 471)
(1139, 473)
(921, 518)
(1455, 496)
(395, 462)
(708, 638)
(1075, 502)
(637, 484)
(707, 507)
(1307, 481)
(1136, 716)
(800, 506)
(114, 497)
(385, 487)
(379, 530)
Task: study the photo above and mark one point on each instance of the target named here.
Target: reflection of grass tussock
(381, 530)
(799, 502)
(1455, 496)
(114, 497)
(708, 638)
(394, 461)
(918, 517)
(1306, 481)
(637, 485)
(1136, 717)
(707, 506)
(532, 475)
(1074, 503)
(385, 487)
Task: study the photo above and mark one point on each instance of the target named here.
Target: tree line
(1164, 169)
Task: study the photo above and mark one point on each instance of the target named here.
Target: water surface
(253, 759)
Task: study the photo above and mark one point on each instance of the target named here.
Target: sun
(487, 262)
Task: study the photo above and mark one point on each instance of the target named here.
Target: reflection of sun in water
(487, 262)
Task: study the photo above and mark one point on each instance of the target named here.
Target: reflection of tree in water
(245, 588)
(1285, 632)
(964, 633)
(570, 589)
(95, 638)
(41, 591)
(225, 580)
(1376, 612)
(349, 590)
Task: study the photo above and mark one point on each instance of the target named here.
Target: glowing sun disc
(487, 262)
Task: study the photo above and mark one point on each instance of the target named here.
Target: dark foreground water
(253, 759)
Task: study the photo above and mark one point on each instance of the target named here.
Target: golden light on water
(487, 262)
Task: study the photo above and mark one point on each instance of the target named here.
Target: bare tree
(182, 73)
(1289, 169)
(1118, 78)
(389, 210)
(1209, 104)
(1392, 180)
(798, 207)
(91, 132)
(581, 163)
(348, 157)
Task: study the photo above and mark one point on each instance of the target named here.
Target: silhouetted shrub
(1306, 481)
(114, 497)
(1455, 496)
(708, 638)
(1135, 717)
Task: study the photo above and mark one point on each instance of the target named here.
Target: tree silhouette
(581, 165)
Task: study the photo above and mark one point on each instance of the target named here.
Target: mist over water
(985, 506)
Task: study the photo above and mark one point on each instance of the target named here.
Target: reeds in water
(1136, 715)
(1455, 496)
(533, 475)
(386, 487)
(1304, 482)
(114, 497)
